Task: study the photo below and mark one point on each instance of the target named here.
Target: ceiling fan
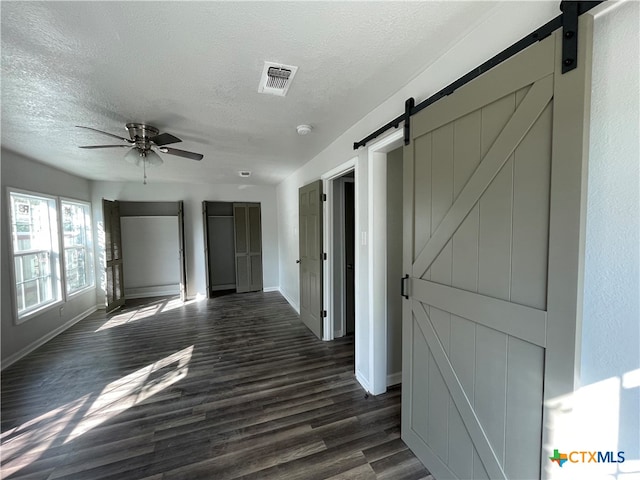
(144, 140)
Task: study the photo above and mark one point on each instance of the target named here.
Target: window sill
(50, 306)
(73, 295)
(39, 311)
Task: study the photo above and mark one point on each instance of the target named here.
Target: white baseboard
(295, 307)
(394, 379)
(38, 343)
(155, 291)
(271, 289)
(363, 381)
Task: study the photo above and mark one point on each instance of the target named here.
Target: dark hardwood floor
(233, 387)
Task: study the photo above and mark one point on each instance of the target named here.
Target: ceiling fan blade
(124, 139)
(181, 153)
(164, 139)
(106, 146)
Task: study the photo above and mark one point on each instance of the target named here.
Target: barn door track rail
(568, 20)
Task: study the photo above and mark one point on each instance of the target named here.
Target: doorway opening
(381, 354)
(340, 271)
(233, 247)
(343, 247)
(137, 234)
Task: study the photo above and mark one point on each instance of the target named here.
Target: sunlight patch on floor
(173, 304)
(24, 444)
(130, 316)
(136, 387)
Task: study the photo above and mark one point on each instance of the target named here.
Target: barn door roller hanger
(568, 20)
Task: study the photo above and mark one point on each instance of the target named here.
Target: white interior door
(493, 195)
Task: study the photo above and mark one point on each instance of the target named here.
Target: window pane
(31, 297)
(18, 269)
(44, 289)
(20, 295)
(76, 227)
(34, 233)
(34, 265)
(31, 223)
(33, 280)
(76, 268)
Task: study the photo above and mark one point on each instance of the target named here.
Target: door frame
(328, 218)
(205, 232)
(371, 328)
(182, 254)
(376, 323)
(160, 208)
(340, 236)
(113, 207)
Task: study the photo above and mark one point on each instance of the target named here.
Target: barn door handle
(404, 282)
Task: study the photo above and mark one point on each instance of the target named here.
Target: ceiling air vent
(276, 78)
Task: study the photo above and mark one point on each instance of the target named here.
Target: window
(38, 229)
(76, 231)
(35, 251)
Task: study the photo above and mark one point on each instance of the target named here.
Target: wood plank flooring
(233, 387)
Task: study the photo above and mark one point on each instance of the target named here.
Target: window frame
(54, 261)
(57, 259)
(89, 248)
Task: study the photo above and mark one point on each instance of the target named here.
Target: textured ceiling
(192, 69)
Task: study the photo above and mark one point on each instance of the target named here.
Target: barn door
(310, 243)
(493, 191)
(113, 255)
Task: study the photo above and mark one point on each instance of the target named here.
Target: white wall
(17, 340)
(193, 196)
(151, 256)
(509, 22)
(609, 400)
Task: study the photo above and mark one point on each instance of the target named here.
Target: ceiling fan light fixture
(140, 157)
(133, 156)
(153, 158)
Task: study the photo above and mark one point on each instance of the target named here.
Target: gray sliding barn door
(248, 235)
(310, 232)
(183, 258)
(114, 295)
(493, 192)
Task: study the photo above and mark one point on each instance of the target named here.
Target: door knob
(349, 266)
(298, 261)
